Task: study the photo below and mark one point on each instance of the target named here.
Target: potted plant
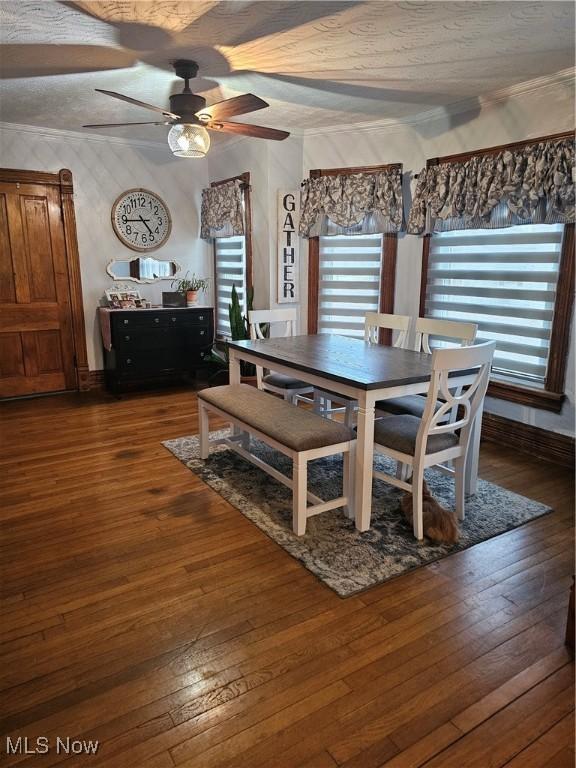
(191, 286)
(239, 329)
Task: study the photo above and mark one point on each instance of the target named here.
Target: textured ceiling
(318, 64)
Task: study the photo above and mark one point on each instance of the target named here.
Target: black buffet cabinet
(156, 345)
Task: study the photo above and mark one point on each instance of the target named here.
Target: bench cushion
(285, 382)
(399, 433)
(294, 427)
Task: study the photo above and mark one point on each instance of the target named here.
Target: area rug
(344, 559)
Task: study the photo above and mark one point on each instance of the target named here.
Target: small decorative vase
(191, 298)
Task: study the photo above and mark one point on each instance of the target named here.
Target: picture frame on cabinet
(123, 299)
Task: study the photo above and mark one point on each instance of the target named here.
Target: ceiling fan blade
(239, 105)
(246, 129)
(118, 125)
(143, 104)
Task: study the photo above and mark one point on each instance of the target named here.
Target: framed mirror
(143, 269)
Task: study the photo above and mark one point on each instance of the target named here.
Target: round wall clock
(141, 220)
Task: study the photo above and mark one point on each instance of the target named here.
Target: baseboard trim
(96, 380)
(539, 443)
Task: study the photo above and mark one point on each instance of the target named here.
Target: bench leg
(348, 479)
(299, 494)
(204, 431)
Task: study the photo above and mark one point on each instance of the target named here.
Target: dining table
(361, 371)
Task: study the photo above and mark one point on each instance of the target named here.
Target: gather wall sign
(288, 256)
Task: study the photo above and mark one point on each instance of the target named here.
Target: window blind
(230, 270)
(505, 281)
(349, 282)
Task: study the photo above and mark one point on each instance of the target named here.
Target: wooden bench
(295, 432)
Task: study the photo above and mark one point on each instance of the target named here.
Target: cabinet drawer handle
(202, 333)
(156, 319)
(128, 360)
(200, 317)
(126, 322)
(126, 338)
(173, 319)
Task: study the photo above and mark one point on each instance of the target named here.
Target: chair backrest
(462, 401)
(425, 327)
(373, 321)
(259, 317)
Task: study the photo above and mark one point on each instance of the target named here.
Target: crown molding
(57, 133)
(162, 146)
(565, 77)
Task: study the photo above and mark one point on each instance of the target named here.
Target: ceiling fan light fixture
(188, 140)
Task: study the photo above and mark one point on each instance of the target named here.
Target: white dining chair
(290, 388)
(462, 334)
(431, 441)
(452, 330)
(373, 322)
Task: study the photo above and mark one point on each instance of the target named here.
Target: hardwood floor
(141, 610)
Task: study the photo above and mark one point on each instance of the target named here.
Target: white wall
(540, 111)
(102, 169)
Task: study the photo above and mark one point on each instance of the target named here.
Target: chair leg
(417, 510)
(402, 471)
(204, 425)
(459, 483)
(349, 464)
(349, 414)
(317, 407)
(299, 494)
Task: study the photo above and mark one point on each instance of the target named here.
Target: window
(512, 283)
(504, 280)
(517, 283)
(232, 265)
(349, 282)
(229, 270)
(350, 275)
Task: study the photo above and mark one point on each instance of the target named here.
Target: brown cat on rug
(440, 524)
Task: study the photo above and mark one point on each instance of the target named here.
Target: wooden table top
(344, 359)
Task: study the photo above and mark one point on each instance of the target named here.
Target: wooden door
(37, 353)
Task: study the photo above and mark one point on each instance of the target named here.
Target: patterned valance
(358, 203)
(222, 210)
(529, 185)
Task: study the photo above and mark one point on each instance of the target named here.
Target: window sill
(530, 396)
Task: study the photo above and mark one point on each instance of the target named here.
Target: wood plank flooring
(141, 610)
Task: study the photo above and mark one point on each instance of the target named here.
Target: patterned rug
(344, 559)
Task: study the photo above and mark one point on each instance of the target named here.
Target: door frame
(63, 180)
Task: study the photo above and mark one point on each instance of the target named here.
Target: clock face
(141, 220)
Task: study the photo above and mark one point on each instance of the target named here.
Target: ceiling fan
(190, 117)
